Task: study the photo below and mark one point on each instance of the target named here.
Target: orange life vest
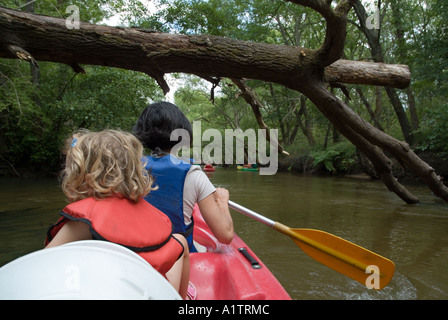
(139, 227)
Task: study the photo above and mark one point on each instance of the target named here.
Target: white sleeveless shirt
(197, 186)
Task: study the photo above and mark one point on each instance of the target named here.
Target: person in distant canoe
(180, 184)
(105, 180)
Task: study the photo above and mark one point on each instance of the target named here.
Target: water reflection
(361, 211)
(27, 208)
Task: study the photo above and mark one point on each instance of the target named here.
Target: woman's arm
(215, 210)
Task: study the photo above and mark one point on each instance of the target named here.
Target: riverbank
(322, 163)
(355, 166)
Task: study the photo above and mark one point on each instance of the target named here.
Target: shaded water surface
(415, 237)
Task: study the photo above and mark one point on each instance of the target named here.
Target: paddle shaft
(290, 233)
(251, 214)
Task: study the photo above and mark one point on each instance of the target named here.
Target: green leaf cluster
(338, 158)
(35, 119)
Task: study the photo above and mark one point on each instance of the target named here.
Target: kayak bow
(229, 272)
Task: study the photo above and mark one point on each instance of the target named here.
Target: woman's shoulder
(195, 175)
(198, 181)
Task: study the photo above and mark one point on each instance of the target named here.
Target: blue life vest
(169, 174)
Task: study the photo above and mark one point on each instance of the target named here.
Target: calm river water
(415, 237)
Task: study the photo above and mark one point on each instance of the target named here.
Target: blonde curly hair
(105, 163)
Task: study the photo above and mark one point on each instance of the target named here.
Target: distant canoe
(209, 168)
(241, 168)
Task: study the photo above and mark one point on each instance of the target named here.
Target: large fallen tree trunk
(32, 37)
(47, 39)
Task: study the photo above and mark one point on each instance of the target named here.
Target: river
(414, 237)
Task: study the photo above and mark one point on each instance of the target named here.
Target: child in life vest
(105, 181)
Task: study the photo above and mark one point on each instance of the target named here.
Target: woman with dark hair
(180, 184)
(157, 122)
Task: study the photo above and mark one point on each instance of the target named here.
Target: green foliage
(93, 101)
(339, 157)
(90, 10)
(36, 116)
(434, 130)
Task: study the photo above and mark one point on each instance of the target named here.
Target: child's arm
(71, 231)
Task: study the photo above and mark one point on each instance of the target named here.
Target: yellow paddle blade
(343, 256)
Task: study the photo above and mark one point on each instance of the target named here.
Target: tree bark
(401, 43)
(154, 53)
(362, 72)
(34, 37)
(366, 103)
(306, 125)
(373, 38)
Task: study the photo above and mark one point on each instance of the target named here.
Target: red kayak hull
(224, 273)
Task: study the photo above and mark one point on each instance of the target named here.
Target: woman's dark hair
(157, 121)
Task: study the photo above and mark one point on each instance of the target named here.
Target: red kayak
(230, 272)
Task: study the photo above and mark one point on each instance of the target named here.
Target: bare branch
(357, 72)
(256, 105)
(336, 19)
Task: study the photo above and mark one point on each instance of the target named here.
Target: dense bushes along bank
(338, 159)
(343, 159)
